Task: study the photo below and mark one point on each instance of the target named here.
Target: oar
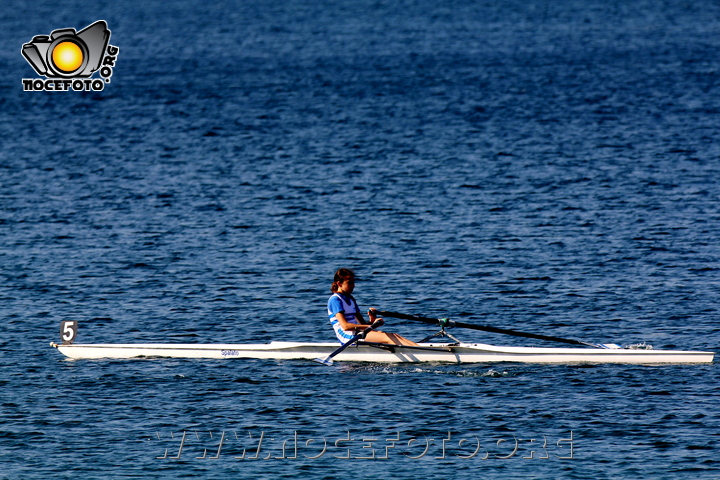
(360, 335)
(444, 322)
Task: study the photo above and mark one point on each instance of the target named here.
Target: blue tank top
(340, 303)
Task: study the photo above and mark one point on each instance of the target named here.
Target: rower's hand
(372, 314)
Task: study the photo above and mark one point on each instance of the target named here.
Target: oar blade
(325, 361)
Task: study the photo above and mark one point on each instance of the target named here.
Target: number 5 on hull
(68, 331)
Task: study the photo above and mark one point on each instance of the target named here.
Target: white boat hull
(460, 353)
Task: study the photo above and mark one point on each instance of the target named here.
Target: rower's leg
(391, 338)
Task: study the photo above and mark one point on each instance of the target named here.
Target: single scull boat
(357, 350)
(381, 353)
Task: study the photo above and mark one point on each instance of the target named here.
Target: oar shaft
(444, 322)
(359, 336)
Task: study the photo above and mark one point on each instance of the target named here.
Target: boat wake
(401, 370)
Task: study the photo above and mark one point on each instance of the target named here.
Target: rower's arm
(345, 325)
(360, 318)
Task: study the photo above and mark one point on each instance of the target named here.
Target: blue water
(536, 165)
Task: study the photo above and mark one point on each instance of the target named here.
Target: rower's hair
(340, 276)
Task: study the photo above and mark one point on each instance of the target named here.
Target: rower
(345, 316)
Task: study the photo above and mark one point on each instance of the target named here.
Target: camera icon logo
(68, 59)
(66, 53)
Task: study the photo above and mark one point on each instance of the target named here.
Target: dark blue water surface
(539, 165)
